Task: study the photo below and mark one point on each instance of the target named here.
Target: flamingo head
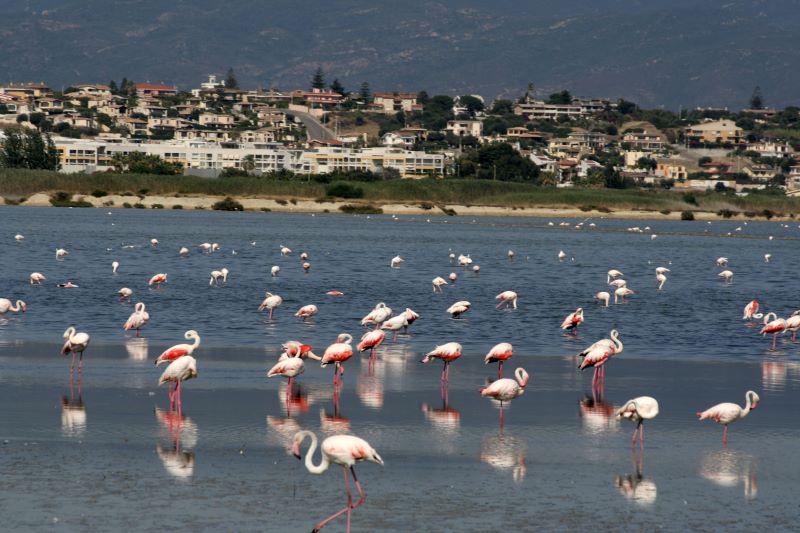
(22, 305)
(522, 377)
(754, 399)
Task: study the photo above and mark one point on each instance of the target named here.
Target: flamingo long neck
(522, 377)
(196, 342)
(324, 463)
(69, 334)
(747, 405)
(617, 343)
(18, 307)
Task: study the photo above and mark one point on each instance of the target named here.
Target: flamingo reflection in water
(635, 487)
(137, 348)
(505, 452)
(597, 415)
(73, 413)
(728, 468)
(181, 432)
(369, 386)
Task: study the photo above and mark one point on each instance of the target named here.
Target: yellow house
(719, 131)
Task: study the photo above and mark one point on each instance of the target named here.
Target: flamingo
(603, 297)
(507, 298)
(775, 326)
(158, 279)
(728, 413)
(285, 250)
(274, 271)
(138, 318)
(61, 253)
(613, 274)
(621, 293)
(411, 316)
(6, 306)
(662, 270)
(499, 353)
(767, 257)
(178, 371)
(205, 247)
(335, 293)
(617, 283)
(306, 266)
(573, 320)
(217, 275)
(727, 275)
(395, 323)
(448, 353)
(614, 345)
(298, 349)
(154, 242)
(438, 282)
(290, 368)
(661, 279)
(452, 257)
(793, 324)
(505, 389)
(76, 343)
(750, 310)
(562, 255)
(596, 356)
(722, 261)
(510, 254)
(214, 247)
(396, 261)
(307, 311)
(114, 267)
(459, 308)
(476, 269)
(377, 316)
(371, 340)
(453, 277)
(344, 450)
(303, 256)
(464, 260)
(638, 410)
(183, 252)
(179, 350)
(338, 353)
(271, 302)
(124, 293)
(19, 237)
(37, 278)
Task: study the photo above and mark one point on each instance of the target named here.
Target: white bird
(377, 316)
(114, 267)
(617, 283)
(453, 277)
(727, 275)
(303, 256)
(37, 278)
(217, 275)
(395, 323)
(722, 261)
(510, 254)
(285, 250)
(437, 283)
(638, 410)
(613, 274)
(183, 252)
(153, 242)
(662, 270)
(274, 271)
(728, 413)
(767, 257)
(561, 255)
(6, 306)
(459, 308)
(214, 246)
(271, 302)
(396, 261)
(19, 237)
(124, 293)
(621, 293)
(661, 279)
(476, 268)
(205, 247)
(76, 343)
(603, 297)
(60, 252)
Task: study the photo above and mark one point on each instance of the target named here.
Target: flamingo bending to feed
(617, 283)
(338, 353)
(19, 237)
(158, 279)
(153, 242)
(613, 274)
(37, 278)
(452, 277)
(438, 282)
(395, 323)
(298, 349)
(370, 341)
(306, 266)
(621, 293)
(377, 316)
(728, 413)
(114, 267)
(124, 293)
(271, 302)
(774, 326)
(603, 297)
(722, 261)
(180, 350)
(447, 353)
(661, 279)
(61, 253)
(205, 247)
(562, 255)
(459, 308)
(76, 343)
(178, 371)
(499, 353)
(6, 306)
(138, 318)
(638, 410)
(573, 320)
(750, 310)
(285, 250)
(303, 256)
(411, 316)
(505, 389)
(274, 271)
(183, 252)
(507, 298)
(307, 311)
(727, 275)
(510, 254)
(217, 275)
(344, 450)
(396, 261)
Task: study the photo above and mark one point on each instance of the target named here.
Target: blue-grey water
(110, 456)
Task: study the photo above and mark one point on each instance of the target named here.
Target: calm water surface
(109, 456)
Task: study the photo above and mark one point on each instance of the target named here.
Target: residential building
(761, 172)
(215, 120)
(668, 170)
(465, 127)
(545, 163)
(322, 98)
(771, 149)
(399, 139)
(521, 132)
(643, 140)
(26, 90)
(390, 103)
(151, 89)
(716, 132)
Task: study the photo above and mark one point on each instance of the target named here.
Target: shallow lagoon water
(105, 457)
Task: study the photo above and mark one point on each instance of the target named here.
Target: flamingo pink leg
(725, 437)
(350, 504)
(500, 370)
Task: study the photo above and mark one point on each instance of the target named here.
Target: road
(314, 128)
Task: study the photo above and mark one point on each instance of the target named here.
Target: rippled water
(110, 453)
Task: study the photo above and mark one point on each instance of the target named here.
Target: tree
(249, 163)
(318, 81)
(28, 149)
(112, 85)
(625, 107)
(502, 107)
(230, 80)
(364, 91)
(560, 98)
(141, 163)
(337, 88)
(756, 100)
(472, 103)
(501, 162)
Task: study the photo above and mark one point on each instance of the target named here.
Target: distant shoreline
(279, 205)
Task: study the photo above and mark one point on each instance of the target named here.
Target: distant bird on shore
(728, 413)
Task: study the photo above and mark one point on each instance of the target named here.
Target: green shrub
(99, 194)
(341, 189)
(726, 213)
(367, 209)
(228, 204)
(138, 205)
(157, 206)
(126, 205)
(689, 198)
(767, 213)
(665, 211)
(687, 215)
(177, 206)
(281, 201)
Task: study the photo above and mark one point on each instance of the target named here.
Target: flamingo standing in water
(447, 353)
(138, 318)
(61, 253)
(505, 389)
(437, 283)
(573, 320)
(183, 252)
(307, 311)
(728, 413)
(396, 323)
(180, 350)
(298, 349)
(338, 353)
(638, 410)
(603, 297)
(76, 343)
(722, 261)
(396, 261)
(377, 316)
(178, 371)
(459, 308)
(124, 294)
(596, 356)
(613, 274)
(37, 278)
(114, 267)
(621, 293)
(290, 368)
(158, 279)
(507, 298)
(661, 277)
(793, 324)
(727, 275)
(774, 326)
(344, 450)
(370, 341)
(411, 317)
(499, 353)
(217, 275)
(271, 302)
(750, 310)
(274, 271)
(6, 306)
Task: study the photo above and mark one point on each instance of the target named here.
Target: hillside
(656, 52)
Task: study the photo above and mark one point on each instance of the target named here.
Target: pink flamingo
(138, 318)
(271, 302)
(180, 350)
(157, 280)
(728, 413)
(338, 353)
(290, 368)
(597, 355)
(178, 371)
(124, 294)
(750, 310)
(775, 326)
(499, 353)
(344, 450)
(76, 343)
(411, 316)
(16, 307)
(573, 320)
(395, 323)
(370, 341)
(793, 324)
(438, 282)
(505, 389)
(377, 316)
(459, 308)
(298, 349)
(37, 278)
(307, 311)
(638, 410)
(447, 353)
(507, 298)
